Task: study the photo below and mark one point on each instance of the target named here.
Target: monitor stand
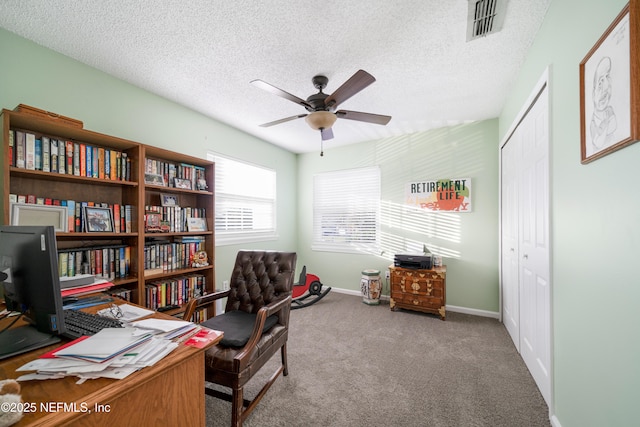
(23, 339)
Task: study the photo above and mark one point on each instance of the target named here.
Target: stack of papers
(168, 329)
(104, 345)
(111, 353)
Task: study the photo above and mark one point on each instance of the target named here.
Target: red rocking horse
(308, 286)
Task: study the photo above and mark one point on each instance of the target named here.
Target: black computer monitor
(29, 258)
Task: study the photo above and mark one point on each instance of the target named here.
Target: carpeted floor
(351, 364)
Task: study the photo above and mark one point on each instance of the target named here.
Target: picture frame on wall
(97, 220)
(610, 88)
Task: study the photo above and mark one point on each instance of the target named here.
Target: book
(30, 151)
(76, 158)
(46, 154)
(82, 162)
(71, 215)
(94, 162)
(12, 138)
(54, 155)
(69, 157)
(62, 157)
(21, 146)
(37, 156)
(101, 163)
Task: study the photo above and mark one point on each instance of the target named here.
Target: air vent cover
(485, 17)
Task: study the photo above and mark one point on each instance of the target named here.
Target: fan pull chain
(321, 147)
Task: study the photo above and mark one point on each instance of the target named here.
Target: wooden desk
(169, 393)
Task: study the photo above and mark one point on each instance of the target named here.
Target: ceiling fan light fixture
(321, 120)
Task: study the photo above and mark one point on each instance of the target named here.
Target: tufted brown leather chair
(255, 324)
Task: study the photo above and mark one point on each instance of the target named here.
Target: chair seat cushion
(237, 326)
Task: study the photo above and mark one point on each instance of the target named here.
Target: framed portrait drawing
(610, 88)
(97, 220)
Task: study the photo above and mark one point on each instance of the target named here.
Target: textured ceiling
(203, 54)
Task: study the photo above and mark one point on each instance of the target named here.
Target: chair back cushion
(237, 326)
(258, 278)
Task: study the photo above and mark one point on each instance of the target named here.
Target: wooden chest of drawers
(420, 290)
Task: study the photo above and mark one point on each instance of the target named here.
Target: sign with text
(450, 195)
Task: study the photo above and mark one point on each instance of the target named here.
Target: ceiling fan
(322, 107)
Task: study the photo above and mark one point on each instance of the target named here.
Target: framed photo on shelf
(154, 179)
(201, 184)
(97, 220)
(153, 223)
(185, 184)
(168, 200)
(610, 88)
(32, 214)
(196, 224)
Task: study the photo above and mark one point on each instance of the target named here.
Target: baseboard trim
(454, 308)
(473, 311)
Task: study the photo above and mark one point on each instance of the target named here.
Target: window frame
(242, 201)
(358, 203)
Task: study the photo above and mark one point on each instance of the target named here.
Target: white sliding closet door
(525, 257)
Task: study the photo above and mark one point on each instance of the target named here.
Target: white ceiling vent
(485, 17)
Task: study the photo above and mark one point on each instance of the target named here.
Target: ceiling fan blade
(355, 84)
(274, 90)
(326, 134)
(363, 117)
(286, 119)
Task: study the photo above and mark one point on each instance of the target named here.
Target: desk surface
(167, 392)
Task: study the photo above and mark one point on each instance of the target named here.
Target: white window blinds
(245, 201)
(346, 206)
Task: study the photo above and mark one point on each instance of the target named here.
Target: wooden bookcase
(129, 190)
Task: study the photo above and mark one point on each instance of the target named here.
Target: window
(245, 201)
(346, 210)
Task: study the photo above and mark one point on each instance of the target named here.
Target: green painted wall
(594, 208)
(33, 75)
(468, 241)
(595, 232)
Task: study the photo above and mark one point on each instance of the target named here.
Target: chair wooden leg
(283, 352)
(236, 408)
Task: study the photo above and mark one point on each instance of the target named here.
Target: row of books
(174, 291)
(107, 262)
(47, 154)
(122, 293)
(121, 215)
(199, 316)
(194, 175)
(171, 256)
(176, 217)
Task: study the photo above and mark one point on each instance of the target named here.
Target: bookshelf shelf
(110, 174)
(53, 176)
(90, 236)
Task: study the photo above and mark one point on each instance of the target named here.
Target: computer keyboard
(78, 323)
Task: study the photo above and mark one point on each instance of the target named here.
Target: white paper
(161, 325)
